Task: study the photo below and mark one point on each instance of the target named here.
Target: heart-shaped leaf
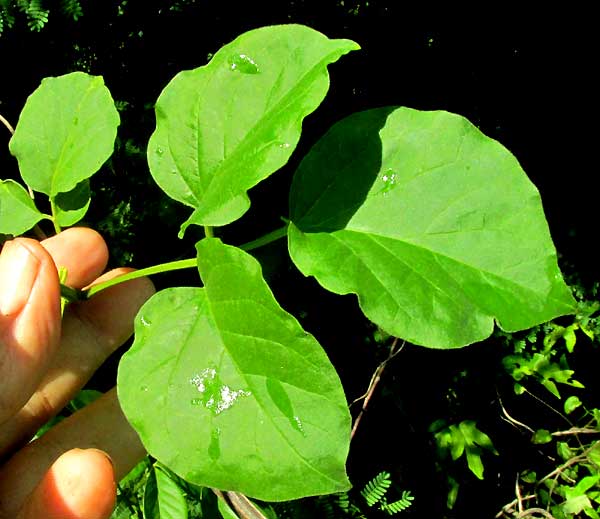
(224, 127)
(65, 132)
(433, 225)
(245, 398)
(18, 213)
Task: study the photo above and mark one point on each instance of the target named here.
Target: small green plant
(36, 12)
(432, 225)
(375, 494)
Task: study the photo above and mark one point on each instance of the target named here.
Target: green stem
(57, 227)
(208, 231)
(156, 269)
(73, 294)
(266, 239)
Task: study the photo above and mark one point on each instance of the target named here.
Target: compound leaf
(433, 225)
(224, 127)
(227, 390)
(18, 213)
(65, 132)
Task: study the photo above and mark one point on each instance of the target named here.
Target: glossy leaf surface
(245, 398)
(65, 132)
(224, 127)
(433, 225)
(18, 213)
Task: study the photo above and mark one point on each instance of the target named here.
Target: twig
(518, 494)
(509, 508)
(576, 431)
(510, 419)
(7, 124)
(576, 459)
(244, 508)
(373, 384)
(531, 511)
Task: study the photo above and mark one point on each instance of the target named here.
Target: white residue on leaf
(215, 396)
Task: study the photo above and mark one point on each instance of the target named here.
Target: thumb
(79, 485)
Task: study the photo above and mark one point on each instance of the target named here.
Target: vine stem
(73, 294)
(7, 124)
(156, 269)
(373, 384)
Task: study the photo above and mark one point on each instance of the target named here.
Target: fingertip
(79, 485)
(82, 251)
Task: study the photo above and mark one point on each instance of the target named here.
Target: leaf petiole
(74, 294)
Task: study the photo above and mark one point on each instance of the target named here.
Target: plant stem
(72, 294)
(7, 124)
(266, 239)
(208, 231)
(57, 227)
(156, 269)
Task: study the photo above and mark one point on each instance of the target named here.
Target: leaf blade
(259, 402)
(433, 225)
(223, 128)
(66, 131)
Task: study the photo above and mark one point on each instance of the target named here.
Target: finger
(101, 425)
(79, 485)
(29, 320)
(92, 330)
(81, 251)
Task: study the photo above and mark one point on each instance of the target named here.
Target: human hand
(44, 362)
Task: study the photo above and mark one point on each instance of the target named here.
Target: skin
(70, 472)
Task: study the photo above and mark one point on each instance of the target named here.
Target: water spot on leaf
(389, 179)
(299, 425)
(243, 63)
(214, 447)
(144, 389)
(284, 145)
(281, 399)
(159, 151)
(215, 396)
(145, 321)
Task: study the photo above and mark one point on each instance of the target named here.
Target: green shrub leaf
(245, 398)
(224, 127)
(433, 225)
(65, 132)
(18, 213)
(71, 207)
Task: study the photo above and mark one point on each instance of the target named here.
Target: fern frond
(37, 16)
(397, 506)
(72, 8)
(376, 489)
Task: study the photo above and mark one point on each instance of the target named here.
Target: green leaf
(571, 404)
(226, 510)
(65, 132)
(18, 213)
(83, 398)
(434, 226)
(151, 510)
(474, 461)
(71, 207)
(245, 399)
(224, 127)
(171, 499)
(541, 436)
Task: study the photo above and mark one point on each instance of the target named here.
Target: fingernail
(18, 271)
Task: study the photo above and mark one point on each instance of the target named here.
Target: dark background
(526, 79)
